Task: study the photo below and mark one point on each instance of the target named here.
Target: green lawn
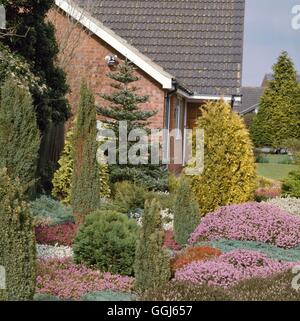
(275, 171)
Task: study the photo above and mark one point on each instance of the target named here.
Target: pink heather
(251, 221)
(231, 268)
(64, 279)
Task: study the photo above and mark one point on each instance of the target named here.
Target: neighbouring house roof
(250, 100)
(269, 77)
(198, 42)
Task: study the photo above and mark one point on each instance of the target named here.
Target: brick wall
(86, 61)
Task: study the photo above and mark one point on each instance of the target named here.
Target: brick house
(186, 52)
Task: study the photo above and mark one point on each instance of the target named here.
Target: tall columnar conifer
(17, 242)
(152, 266)
(19, 133)
(63, 176)
(85, 190)
(278, 117)
(33, 38)
(229, 175)
(186, 212)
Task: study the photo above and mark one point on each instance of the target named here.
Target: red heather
(250, 222)
(61, 234)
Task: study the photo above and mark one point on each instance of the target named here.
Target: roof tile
(200, 42)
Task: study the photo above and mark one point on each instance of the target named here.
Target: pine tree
(186, 212)
(19, 134)
(278, 117)
(34, 40)
(229, 175)
(123, 105)
(17, 242)
(85, 190)
(63, 176)
(152, 264)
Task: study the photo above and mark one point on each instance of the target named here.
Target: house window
(178, 117)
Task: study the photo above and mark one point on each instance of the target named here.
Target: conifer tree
(278, 117)
(19, 134)
(33, 38)
(124, 105)
(229, 175)
(186, 212)
(17, 242)
(63, 176)
(85, 190)
(152, 266)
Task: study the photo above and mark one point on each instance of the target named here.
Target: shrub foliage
(278, 118)
(62, 178)
(229, 174)
(186, 212)
(85, 189)
(152, 266)
(107, 240)
(19, 134)
(124, 105)
(17, 241)
(291, 185)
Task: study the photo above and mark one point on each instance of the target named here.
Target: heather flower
(231, 268)
(61, 234)
(169, 241)
(289, 204)
(66, 280)
(250, 222)
(51, 252)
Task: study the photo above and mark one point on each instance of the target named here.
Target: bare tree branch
(71, 34)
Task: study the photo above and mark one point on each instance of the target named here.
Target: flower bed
(273, 252)
(231, 268)
(289, 204)
(198, 253)
(267, 189)
(63, 279)
(251, 221)
(61, 234)
(274, 288)
(47, 252)
(170, 242)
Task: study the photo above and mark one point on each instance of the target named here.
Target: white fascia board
(250, 109)
(207, 97)
(119, 44)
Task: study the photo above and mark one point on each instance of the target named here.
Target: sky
(268, 31)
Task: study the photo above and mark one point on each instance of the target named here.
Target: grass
(275, 159)
(275, 171)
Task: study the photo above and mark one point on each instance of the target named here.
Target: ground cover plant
(273, 252)
(49, 211)
(231, 268)
(273, 288)
(192, 254)
(63, 279)
(289, 204)
(60, 234)
(251, 221)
